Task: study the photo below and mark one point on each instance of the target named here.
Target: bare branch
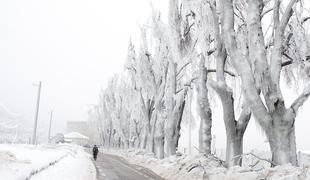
(150, 68)
(183, 67)
(180, 77)
(211, 51)
(178, 91)
(190, 59)
(226, 71)
(266, 11)
(190, 81)
(220, 52)
(162, 87)
(287, 14)
(132, 68)
(243, 120)
(188, 29)
(305, 19)
(142, 100)
(240, 16)
(286, 63)
(254, 155)
(276, 59)
(218, 42)
(288, 39)
(276, 12)
(301, 99)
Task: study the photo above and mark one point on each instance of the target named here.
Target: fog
(73, 47)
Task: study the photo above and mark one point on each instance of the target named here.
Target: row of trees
(243, 51)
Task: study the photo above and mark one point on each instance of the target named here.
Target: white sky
(74, 47)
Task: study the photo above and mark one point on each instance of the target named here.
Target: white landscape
(45, 162)
(156, 89)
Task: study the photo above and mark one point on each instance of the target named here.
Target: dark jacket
(95, 150)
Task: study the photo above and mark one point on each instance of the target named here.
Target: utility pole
(34, 135)
(49, 128)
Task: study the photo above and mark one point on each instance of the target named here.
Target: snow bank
(20, 162)
(72, 167)
(181, 167)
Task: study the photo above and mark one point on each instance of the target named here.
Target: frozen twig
(252, 154)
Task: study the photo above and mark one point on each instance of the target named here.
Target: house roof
(75, 135)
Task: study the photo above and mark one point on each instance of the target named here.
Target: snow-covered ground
(21, 162)
(182, 167)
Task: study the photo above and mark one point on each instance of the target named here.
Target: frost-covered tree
(106, 119)
(177, 39)
(157, 75)
(235, 127)
(260, 70)
(148, 77)
(241, 57)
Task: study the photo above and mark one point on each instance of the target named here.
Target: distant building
(76, 138)
(85, 128)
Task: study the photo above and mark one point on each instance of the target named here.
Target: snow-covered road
(111, 167)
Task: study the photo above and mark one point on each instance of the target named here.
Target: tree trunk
(102, 138)
(172, 128)
(283, 145)
(293, 154)
(171, 147)
(232, 139)
(133, 142)
(145, 135)
(234, 129)
(204, 110)
(121, 144)
(110, 137)
(151, 134)
(234, 150)
(146, 107)
(118, 145)
(126, 143)
(137, 143)
(205, 136)
(160, 138)
(150, 140)
(175, 103)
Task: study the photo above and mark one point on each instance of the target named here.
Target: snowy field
(57, 162)
(199, 167)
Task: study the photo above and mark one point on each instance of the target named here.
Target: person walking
(95, 152)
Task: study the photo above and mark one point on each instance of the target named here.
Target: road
(111, 167)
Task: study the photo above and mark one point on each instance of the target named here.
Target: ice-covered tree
(260, 67)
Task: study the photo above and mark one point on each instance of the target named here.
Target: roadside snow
(76, 166)
(181, 167)
(20, 162)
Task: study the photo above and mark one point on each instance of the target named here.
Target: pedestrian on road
(95, 152)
